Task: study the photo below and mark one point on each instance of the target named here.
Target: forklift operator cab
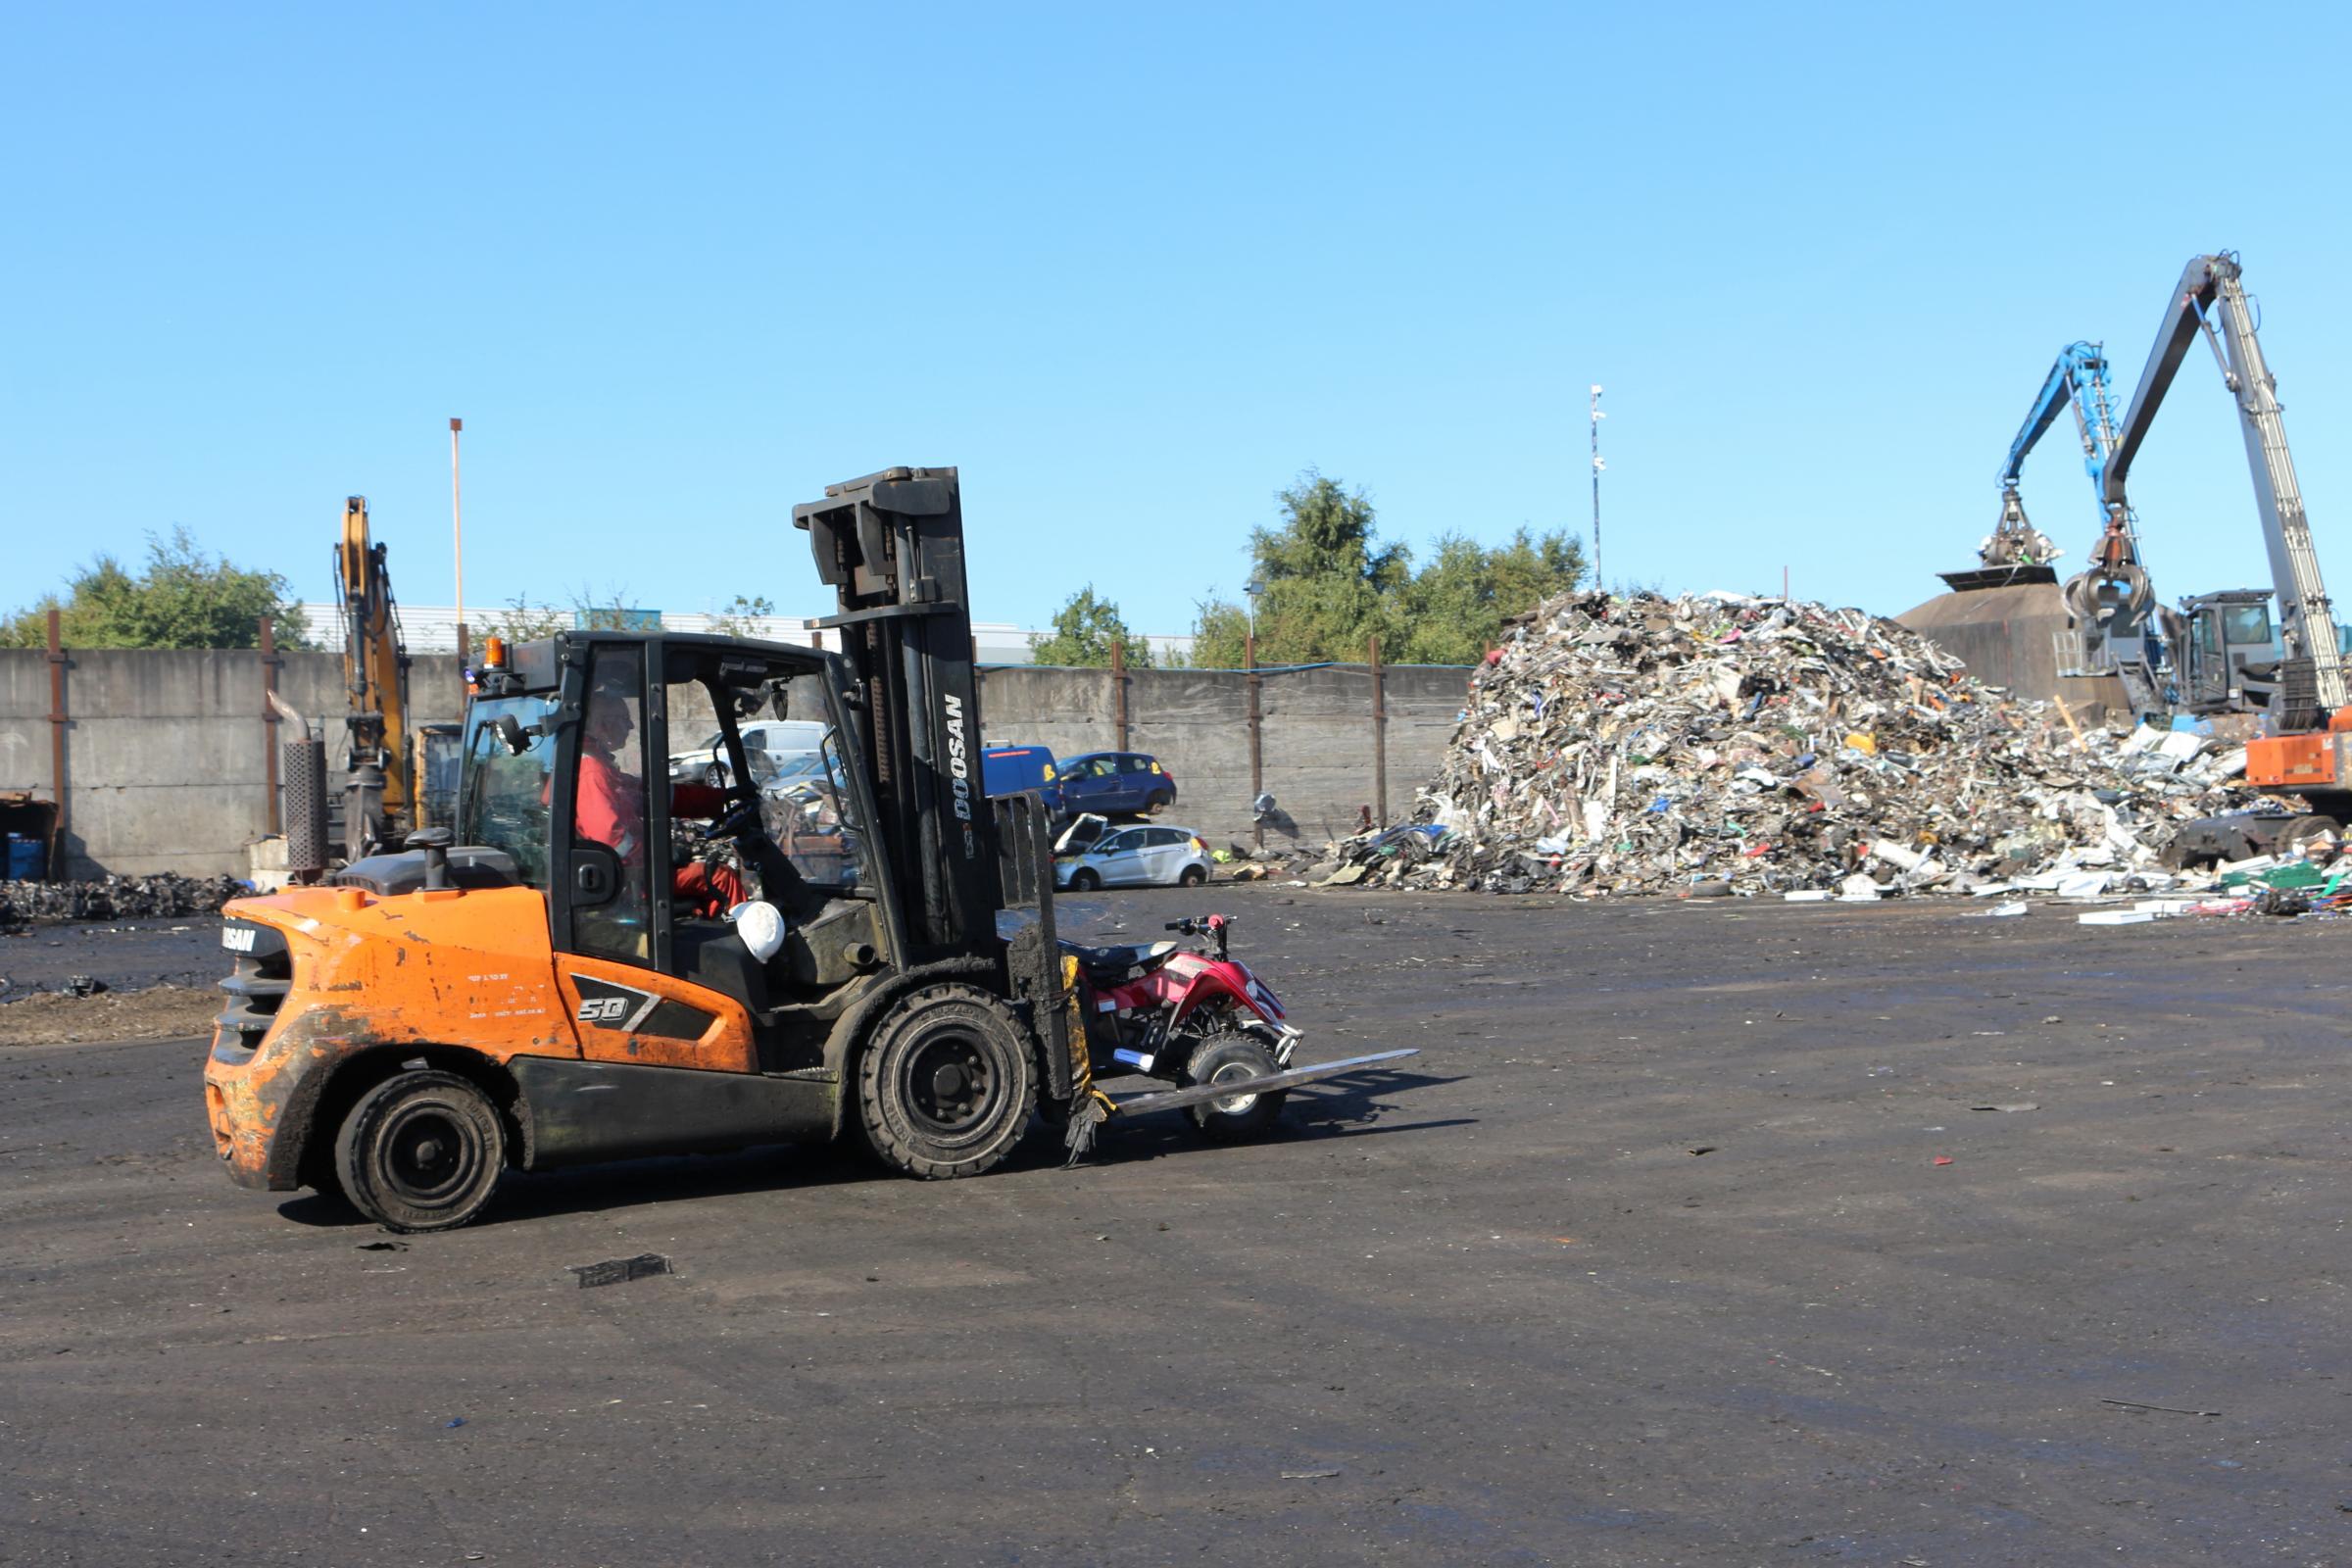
(561, 775)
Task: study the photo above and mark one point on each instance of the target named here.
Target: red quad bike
(1202, 1022)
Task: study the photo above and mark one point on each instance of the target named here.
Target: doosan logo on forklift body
(959, 762)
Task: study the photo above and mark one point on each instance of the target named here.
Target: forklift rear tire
(421, 1151)
(946, 1083)
(1234, 1056)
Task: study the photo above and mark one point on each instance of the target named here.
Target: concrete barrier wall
(166, 764)
(167, 769)
(1317, 745)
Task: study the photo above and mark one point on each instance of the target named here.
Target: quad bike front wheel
(1232, 1055)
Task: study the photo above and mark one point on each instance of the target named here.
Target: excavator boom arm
(2211, 292)
(375, 669)
(2078, 378)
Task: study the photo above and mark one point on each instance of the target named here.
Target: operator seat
(710, 954)
(1119, 963)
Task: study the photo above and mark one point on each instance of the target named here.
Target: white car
(767, 744)
(1092, 855)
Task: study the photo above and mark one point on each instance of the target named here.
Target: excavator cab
(2228, 652)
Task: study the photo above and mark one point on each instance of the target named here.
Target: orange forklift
(600, 964)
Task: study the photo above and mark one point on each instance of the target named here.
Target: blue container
(28, 858)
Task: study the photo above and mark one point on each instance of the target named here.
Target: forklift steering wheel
(740, 820)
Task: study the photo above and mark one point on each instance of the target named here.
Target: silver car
(769, 744)
(1094, 854)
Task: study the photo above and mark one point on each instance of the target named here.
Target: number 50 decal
(608, 1004)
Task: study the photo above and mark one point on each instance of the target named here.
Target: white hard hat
(760, 926)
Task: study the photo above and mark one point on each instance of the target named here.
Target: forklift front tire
(946, 1083)
(421, 1151)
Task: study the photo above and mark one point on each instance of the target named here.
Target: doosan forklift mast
(891, 547)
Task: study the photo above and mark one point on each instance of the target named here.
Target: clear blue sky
(1132, 269)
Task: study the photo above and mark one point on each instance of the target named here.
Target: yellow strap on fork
(1089, 1107)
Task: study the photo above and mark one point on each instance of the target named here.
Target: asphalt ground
(1652, 1258)
(121, 956)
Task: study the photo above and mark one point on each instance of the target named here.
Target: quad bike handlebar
(1194, 925)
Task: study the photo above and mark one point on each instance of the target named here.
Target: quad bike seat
(1118, 963)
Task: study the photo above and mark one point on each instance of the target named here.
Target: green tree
(1327, 584)
(1084, 628)
(182, 599)
(742, 614)
(611, 611)
(608, 610)
(518, 623)
(1218, 628)
(1458, 604)
(1327, 581)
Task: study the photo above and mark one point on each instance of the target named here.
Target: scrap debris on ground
(115, 898)
(1721, 744)
(159, 1012)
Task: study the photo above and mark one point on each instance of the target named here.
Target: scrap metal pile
(1722, 744)
(117, 898)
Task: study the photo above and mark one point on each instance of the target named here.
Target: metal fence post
(57, 746)
(1118, 689)
(269, 665)
(1380, 738)
(1257, 769)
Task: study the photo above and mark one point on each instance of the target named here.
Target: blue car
(1117, 784)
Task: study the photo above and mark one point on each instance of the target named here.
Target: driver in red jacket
(610, 808)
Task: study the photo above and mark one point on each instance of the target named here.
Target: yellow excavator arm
(375, 683)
